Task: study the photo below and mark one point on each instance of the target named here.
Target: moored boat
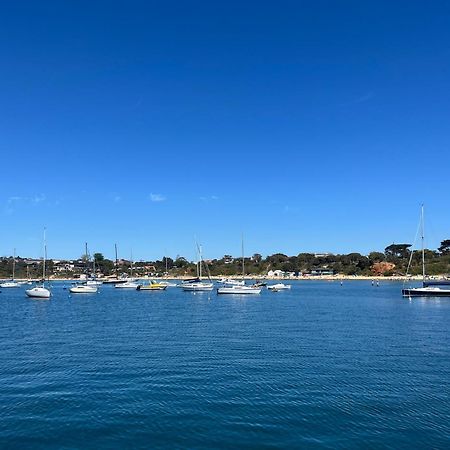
(239, 290)
(152, 286)
(11, 283)
(40, 291)
(278, 287)
(426, 290)
(83, 289)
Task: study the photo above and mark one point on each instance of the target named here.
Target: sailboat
(84, 288)
(93, 281)
(129, 283)
(425, 290)
(13, 283)
(198, 285)
(240, 289)
(114, 279)
(40, 291)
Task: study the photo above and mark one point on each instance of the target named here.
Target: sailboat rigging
(425, 290)
(41, 291)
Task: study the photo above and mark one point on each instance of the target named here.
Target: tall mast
(200, 261)
(243, 260)
(14, 264)
(86, 264)
(117, 262)
(45, 257)
(423, 243)
(131, 263)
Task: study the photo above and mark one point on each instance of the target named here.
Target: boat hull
(426, 292)
(198, 287)
(127, 285)
(151, 288)
(9, 285)
(38, 292)
(238, 290)
(83, 290)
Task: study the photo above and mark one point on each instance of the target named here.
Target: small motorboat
(83, 289)
(168, 284)
(10, 284)
(199, 286)
(127, 285)
(238, 290)
(279, 286)
(94, 283)
(231, 282)
(152, 286)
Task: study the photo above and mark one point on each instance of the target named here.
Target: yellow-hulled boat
(152, 286)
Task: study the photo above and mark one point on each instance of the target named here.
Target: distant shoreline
(266, 278)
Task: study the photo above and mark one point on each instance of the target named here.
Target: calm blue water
(321, 366)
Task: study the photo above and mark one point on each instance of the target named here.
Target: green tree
(376, 257)
(444, 249)
(397, 251)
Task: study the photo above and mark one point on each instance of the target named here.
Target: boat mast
(117, 262)
(14, 264)
(423, 243)
(131, 268)
(200, 261)
(243, 259)
(86, 264)
(45, 257)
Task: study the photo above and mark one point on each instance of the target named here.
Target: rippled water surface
(322, 365)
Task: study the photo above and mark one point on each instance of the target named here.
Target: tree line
(393, 261)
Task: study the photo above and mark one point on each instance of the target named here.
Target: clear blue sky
(306, 125)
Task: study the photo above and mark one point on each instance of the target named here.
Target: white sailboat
(94, 281)
(425, 290)
(12, 283)
(84, 288)
(240, 289)
(198, 285)
(231, 282)
(278, 287)
(130, 283)
(40, 291)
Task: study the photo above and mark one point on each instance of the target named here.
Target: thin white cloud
(365, 97)
(157, 198)
(117, 198)
(362, 99)
(209, 198)
(38, 199)
(13, 202)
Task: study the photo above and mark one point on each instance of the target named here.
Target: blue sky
(305, 125)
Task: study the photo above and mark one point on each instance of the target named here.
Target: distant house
(228, 259)
(322, 271)
(63, 266)
(275, 273)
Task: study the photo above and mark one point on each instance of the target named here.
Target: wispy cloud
(365, 97)
(38, 199)
(117, 198)
(157, 198)
(209, 198)
(361, 99)
(14, 201)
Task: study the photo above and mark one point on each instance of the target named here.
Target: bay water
(322, 365)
